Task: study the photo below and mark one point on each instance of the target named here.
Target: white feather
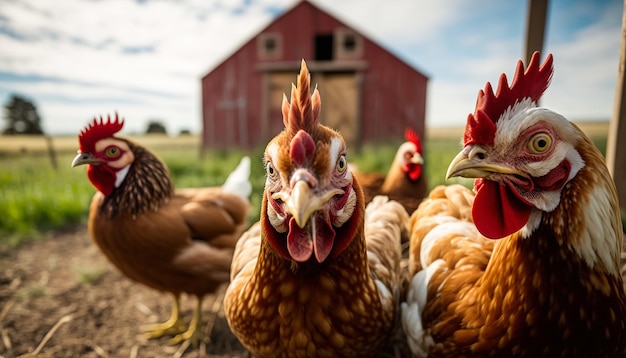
(598, 240)
(238, 181)
(383, 291)
(447, 226)
(417, 295)
(121, 175)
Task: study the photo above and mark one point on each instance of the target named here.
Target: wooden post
(51, 152)
(616, 149)
(535, 27)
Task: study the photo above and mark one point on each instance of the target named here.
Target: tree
(155, 126)
(22, 117)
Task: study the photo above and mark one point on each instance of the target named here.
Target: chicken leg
(193, 334)
(173, 326)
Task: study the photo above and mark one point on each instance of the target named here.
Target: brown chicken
(173, 241)
(318, 275)
(529, 265)
(405, 181)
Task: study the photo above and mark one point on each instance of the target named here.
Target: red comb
(411, 136)
(481, 126)
(97, 130)
(304, 110)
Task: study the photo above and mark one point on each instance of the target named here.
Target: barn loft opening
(323, 47)
(269, 46)
(349, 42)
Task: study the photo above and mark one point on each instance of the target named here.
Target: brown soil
(59, 297)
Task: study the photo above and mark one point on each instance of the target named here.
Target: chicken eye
(269, 168)
(112, 152)
(342, 164)
(539, 143)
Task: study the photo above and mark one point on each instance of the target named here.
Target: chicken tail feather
(238, 181)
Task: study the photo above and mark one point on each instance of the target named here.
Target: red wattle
(324, 238)
(497, 209)
(102, 178)
(299, 243)
(415, 172)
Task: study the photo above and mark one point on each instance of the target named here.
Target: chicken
(318, 275)
(405, 181)
(173, 241)
(529, 265)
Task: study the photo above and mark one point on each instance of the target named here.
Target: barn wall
(393, 95)
(230, 102)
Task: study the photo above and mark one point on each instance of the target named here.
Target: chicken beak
(469, 164)
(417, 159)
(85, 158)
(303, 201)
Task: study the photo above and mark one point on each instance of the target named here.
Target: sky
(76, 59)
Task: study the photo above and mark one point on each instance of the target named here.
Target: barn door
(339, 104)
(339, 94)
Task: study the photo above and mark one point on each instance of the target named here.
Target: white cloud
(145, 59)
(397, 21)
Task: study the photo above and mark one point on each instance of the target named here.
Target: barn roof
(315, 8)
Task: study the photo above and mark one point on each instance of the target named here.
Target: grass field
(35, 197)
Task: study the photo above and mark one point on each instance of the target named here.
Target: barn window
(324, 47)
(269, 46)
(349, 45)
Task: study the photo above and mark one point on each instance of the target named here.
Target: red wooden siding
(236, 103)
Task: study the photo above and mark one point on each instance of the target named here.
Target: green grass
(28, 293)
(89, 276)
(35, 198)
(212, 168)
(438, 154)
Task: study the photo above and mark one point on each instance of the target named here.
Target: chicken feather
(176, 241)
(318, 275)
(405, 181)
(546, 282)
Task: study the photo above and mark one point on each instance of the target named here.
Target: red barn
(368, 94)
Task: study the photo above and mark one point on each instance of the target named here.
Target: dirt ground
(59, 297)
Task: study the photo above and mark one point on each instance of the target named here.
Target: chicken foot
(193, 334)
(173, 326)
